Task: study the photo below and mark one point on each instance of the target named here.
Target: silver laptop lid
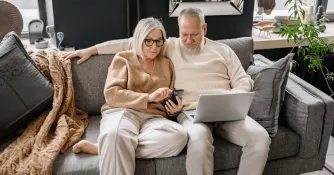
(223, 107)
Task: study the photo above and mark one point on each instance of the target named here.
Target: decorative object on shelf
(264, 26)
(35, 28)
(41, 43)
(318, 17)
(316, 47)
(266, 29)
(309, 10)
(259, 15)
(285, 20)
(60, 36)
(50, 30)
(280, 20)
(265, 6)
(10, 19)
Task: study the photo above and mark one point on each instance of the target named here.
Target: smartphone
(178, 92)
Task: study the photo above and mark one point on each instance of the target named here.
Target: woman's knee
(108, 136)
(114, 134)
(181, 139)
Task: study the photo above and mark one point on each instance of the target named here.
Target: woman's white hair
(143, 28)
(192, 12)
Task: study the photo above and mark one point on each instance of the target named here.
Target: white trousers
(127, 134)
(248, 134)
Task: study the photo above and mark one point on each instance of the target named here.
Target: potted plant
(316, 47)
(41, 43)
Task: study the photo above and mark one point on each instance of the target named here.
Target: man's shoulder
(218, 46)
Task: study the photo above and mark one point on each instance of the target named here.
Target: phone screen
(175, 93)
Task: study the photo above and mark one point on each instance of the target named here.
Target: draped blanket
(54, 130)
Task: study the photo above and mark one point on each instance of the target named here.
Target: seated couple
(136, 124)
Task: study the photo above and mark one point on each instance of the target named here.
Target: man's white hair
(143, 28)
(192, 12)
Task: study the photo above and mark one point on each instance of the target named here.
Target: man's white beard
(196, 49)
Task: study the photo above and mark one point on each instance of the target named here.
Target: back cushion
(269, 84)
(243, 47)
(88, 80)
(24, 91)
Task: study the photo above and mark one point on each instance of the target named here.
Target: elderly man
(203, 66)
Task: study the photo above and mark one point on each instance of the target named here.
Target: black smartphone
(175, 93)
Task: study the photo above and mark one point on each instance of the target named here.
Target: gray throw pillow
(269, 87)
(24, 91)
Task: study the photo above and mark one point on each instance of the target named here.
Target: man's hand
(159, 95)
(84, 54)
(172, 108)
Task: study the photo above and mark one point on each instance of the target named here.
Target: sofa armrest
(309, 112)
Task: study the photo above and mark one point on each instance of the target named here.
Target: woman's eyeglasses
(158, 42)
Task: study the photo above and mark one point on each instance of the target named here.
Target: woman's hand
(173, 108)
(84, 54)
(159, 95)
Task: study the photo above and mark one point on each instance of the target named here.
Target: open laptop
(221, 107)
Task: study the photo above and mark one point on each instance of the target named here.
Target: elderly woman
(134, 123)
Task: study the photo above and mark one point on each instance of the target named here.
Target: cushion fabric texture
(269, 87)
(24, 90)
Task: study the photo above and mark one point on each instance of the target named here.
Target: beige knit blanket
(54, 130)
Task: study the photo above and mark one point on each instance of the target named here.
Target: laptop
(221, 107)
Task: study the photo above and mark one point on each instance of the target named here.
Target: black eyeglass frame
(154, 41)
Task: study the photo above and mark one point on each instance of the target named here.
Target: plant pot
(41, 44)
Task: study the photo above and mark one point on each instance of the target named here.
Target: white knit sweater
(216, 69)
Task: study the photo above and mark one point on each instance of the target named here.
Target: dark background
(85, 23)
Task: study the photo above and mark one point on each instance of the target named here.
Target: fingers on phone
(172, 104)
(167, 108)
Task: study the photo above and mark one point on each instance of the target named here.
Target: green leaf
(291, 8)
(287, 2)
(300, 1)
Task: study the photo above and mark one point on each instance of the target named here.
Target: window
(28, 9)
(279, 10)
(330, 6)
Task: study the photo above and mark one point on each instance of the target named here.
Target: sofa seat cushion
(284, 144)
(82, 164)
(226, 155)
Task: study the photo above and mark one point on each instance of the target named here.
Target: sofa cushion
(284, 144)
(88, 81)
(226, 155)
(24, 91)
(243, 48)
(269, 83)
(81, 164)
(261, 60)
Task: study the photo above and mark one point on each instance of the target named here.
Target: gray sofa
(300, 145)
